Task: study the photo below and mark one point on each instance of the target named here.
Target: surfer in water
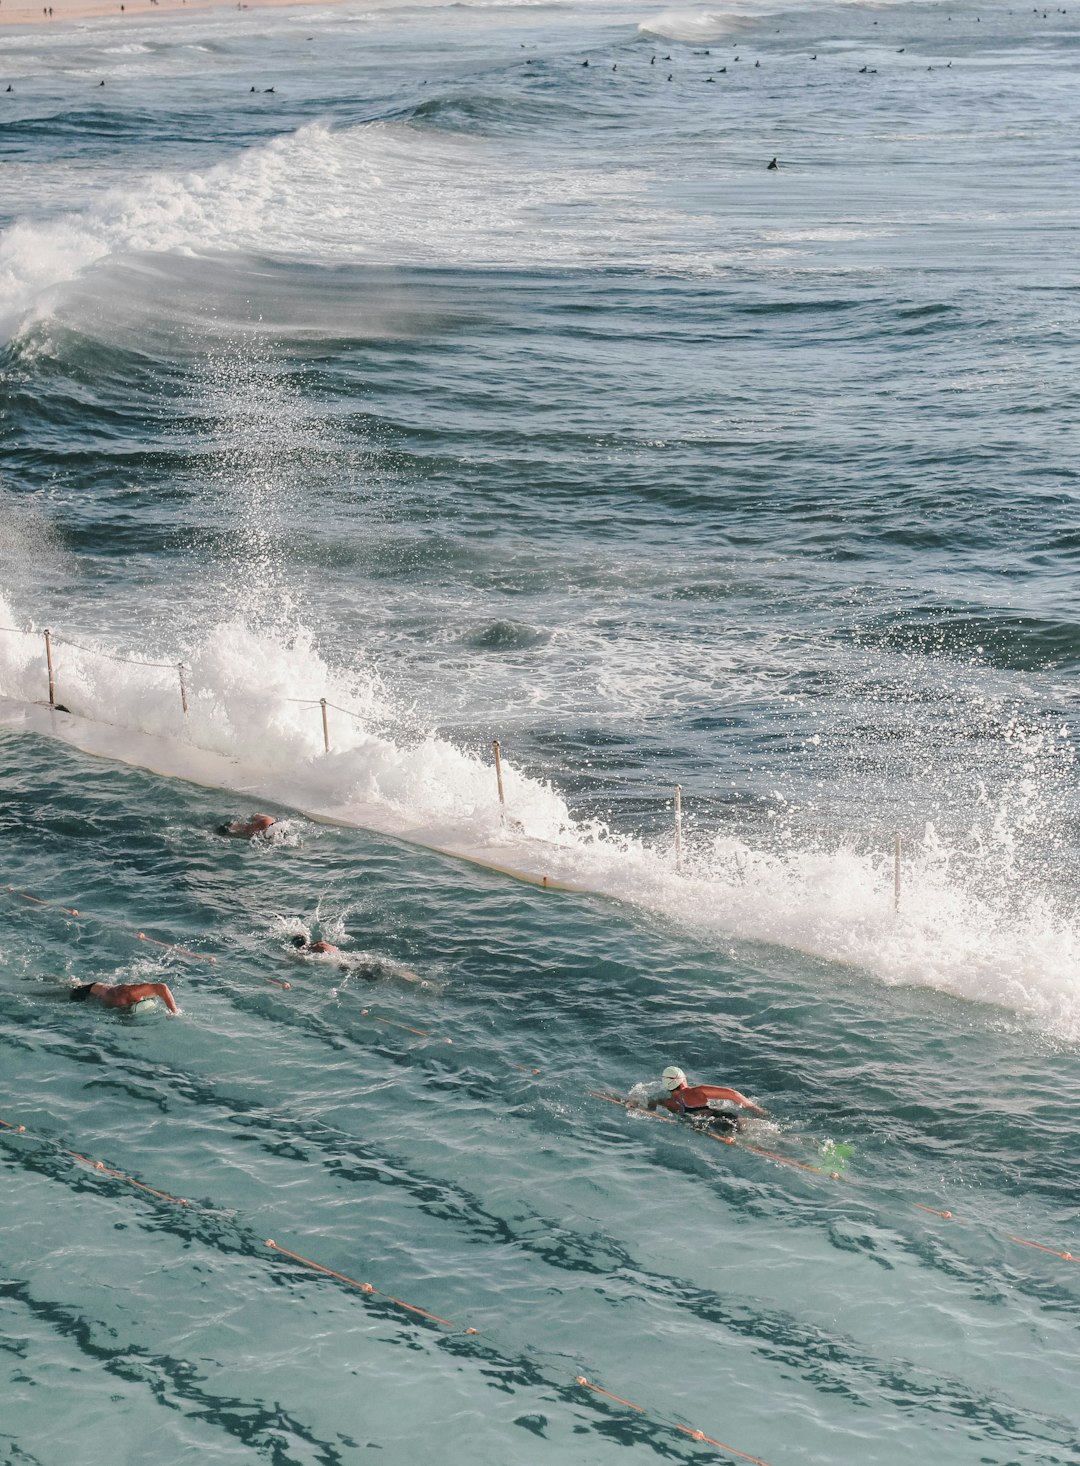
(698, 1101)
(124, 994)
(256, 824)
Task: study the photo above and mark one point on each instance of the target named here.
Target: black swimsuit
(722, 1122)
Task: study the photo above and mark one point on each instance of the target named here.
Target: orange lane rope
(587, 1384)
(364, 1287)
(369, 1290)
(107, 921)
(97, 1165)
(172, 947)
(695, 1435)
(699, 1435)
(1065, 1256)
(119, 1175)
(580, 1379)
(393, 1023)
(948, 1216)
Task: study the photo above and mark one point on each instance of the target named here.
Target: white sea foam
(386, 193)
(692, 26)
(972, 921)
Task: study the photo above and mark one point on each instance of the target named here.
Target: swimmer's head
(81, 991)
(673, 1077)
(261, 822)
(299, 942)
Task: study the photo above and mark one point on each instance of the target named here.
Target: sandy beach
(72, 11)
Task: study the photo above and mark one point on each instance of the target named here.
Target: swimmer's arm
(405, 973)
(721, 1092)
(159, 990)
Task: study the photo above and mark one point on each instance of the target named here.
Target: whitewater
(454, 391)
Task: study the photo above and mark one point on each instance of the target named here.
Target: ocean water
(394, 356)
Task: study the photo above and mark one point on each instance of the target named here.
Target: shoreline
(71, 12)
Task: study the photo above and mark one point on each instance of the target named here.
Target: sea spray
(965, 924)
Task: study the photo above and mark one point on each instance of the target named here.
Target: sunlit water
(487, 394)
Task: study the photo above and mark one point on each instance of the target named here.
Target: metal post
(498, 772)
(325, 725)
(183, 689)
(48, 658)
(896, 873)
(678, 827)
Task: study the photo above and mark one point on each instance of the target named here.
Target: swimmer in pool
(124, 994)
(356, 964)
(256, 824)
(314, 949)
(698, 1101)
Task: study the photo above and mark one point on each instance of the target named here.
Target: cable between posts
(94, 651)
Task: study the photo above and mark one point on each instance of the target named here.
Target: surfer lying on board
(256, 824)
(124, 994)
(700, 1101)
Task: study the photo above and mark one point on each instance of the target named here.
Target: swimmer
(123, 995)
(696, 1101)
(315, 949)
(256, 824)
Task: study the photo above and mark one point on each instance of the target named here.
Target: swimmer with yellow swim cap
(700, 1101)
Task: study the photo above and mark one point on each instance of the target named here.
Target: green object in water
(836, 1155)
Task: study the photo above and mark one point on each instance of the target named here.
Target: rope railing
(324, 704)
(95, 651)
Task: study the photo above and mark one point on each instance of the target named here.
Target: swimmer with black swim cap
(694, 1100)
(316, 949)
(256, 824)
(124, 994)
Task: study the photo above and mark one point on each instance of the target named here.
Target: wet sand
(66, 12)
